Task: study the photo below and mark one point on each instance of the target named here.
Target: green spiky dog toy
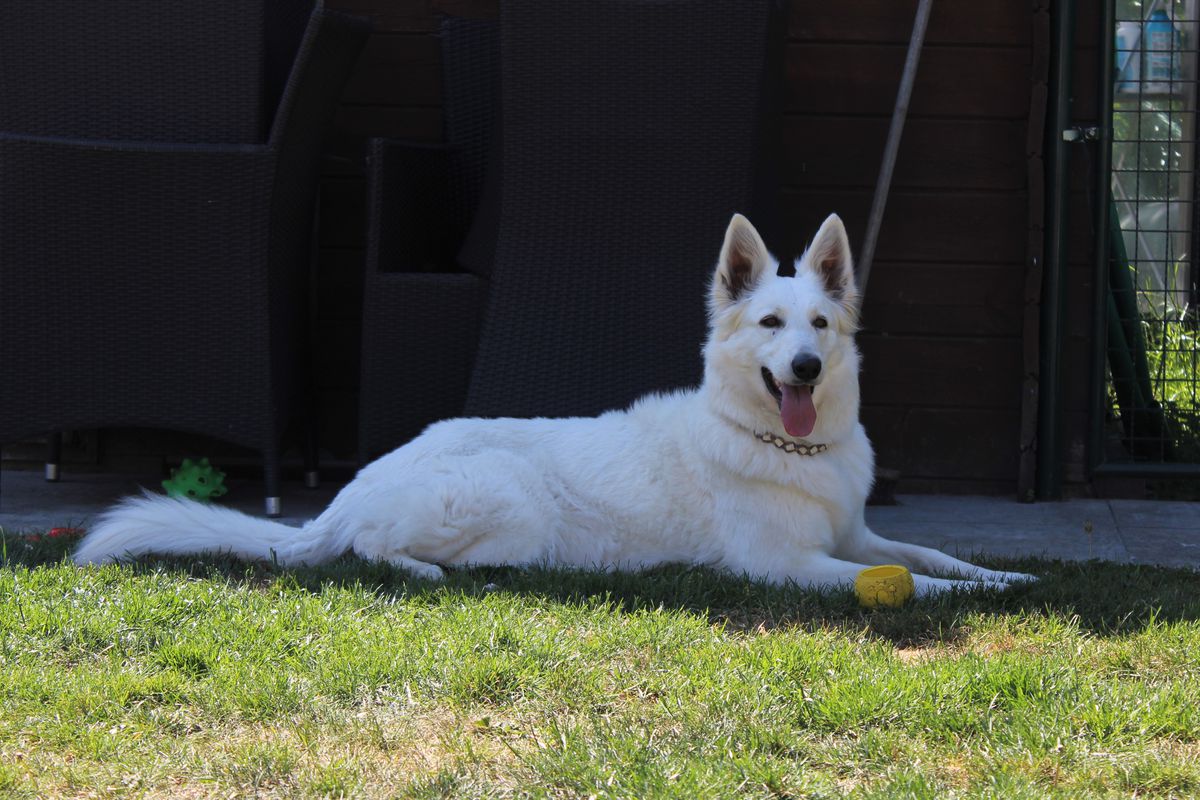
(196, 481)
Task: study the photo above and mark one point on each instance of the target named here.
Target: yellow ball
(889, 585)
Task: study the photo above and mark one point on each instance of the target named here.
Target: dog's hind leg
(418, 569)
(489, 508)
(872, 548)
(375, 545)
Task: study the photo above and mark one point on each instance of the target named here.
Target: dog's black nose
(806, 368)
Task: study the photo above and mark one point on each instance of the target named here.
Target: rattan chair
(158, 174)
(424, 288)
(631, 134)
(628, 134)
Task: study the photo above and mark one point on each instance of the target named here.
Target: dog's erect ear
(744, 257)
(829, 258)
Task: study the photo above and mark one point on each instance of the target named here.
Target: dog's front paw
(997, 579)
(1016, 577)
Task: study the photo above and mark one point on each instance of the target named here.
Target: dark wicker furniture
(631, 132)
(156, 224)
(423, 295)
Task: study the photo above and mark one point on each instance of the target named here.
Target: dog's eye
(820, 322)
(771, 321)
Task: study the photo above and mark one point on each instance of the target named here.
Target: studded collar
(789, 446)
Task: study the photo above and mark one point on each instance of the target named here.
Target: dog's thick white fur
(682, 477)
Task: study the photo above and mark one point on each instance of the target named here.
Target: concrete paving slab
(30, 503)
(1157, 514)
(965, 539)
(1071, 530)
(1070, 514)
(1166, 547)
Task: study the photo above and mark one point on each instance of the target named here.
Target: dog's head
(787, 342)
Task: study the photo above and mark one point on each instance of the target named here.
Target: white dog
(763, 470)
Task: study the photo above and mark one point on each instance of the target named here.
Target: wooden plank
(414, 16)
(982, 22)
(1078, 320)
(397, 70)
(1085, 68)
(343, 211)
(343, 156)
(944, 300)
(955, 486)
(885, 429)
(941, 372)
(990, 22)
(339, 422)
(1081, 243)
(934, 153)
(1077, 373)
(340, 284)
(959, 82)
(1087, 24)
(1076, 432)
(1034, 252)
(951, 444)
(358, 122)
(932, 227)
(335, 354)
(1081, 174)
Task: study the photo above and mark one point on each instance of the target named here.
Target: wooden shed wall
(943, 317)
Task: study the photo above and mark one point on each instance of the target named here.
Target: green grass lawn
(217, 679)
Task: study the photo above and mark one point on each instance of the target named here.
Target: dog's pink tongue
(799, 415)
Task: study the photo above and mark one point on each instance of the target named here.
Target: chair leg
(274, 501)
(53, 456)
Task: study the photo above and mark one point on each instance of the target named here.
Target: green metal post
(1101, 297)
(1049, 461)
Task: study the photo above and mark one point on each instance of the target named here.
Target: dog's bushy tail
(175, 526)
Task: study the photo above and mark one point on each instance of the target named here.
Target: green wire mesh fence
(1153, 348)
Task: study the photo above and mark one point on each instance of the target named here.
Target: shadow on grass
(1108, 599)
